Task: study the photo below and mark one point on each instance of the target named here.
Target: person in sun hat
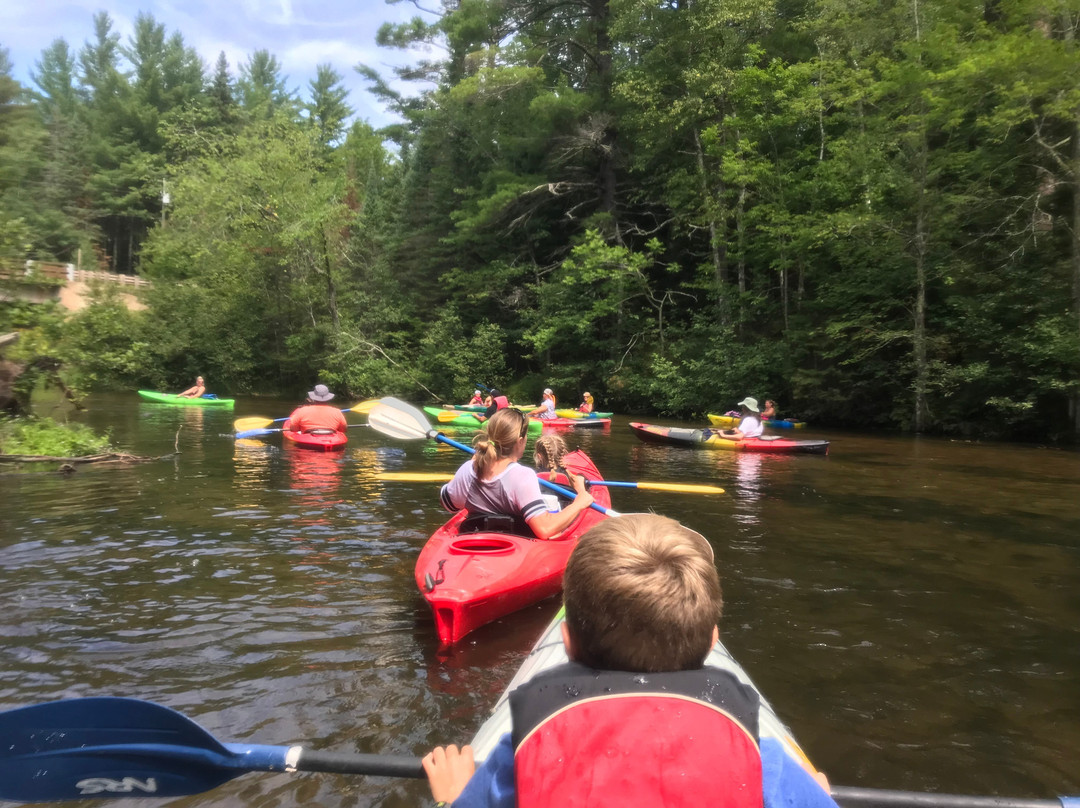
(546, 410)
(750, 424)
(317, 416)
(586, 405)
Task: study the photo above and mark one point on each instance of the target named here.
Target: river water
(910, 607)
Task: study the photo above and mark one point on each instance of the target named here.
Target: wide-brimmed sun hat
(750, 404)
(320, 393)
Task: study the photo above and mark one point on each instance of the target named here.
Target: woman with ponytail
(494, 482)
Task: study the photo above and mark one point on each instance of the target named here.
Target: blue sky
(300, 33)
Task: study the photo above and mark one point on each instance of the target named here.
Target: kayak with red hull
(470, 579)
(709, 439)
(319, 441)
(576, 423)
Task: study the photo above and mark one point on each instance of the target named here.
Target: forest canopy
(869, 212)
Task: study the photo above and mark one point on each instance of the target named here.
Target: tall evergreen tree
(262, 89)
(327, 109)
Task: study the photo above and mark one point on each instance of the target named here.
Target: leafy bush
(44, 436)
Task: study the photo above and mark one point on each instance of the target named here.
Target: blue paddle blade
(255, 433)
(107, 748)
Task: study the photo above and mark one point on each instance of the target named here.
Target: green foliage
(452, 359)
(864, 211)
(45, 437)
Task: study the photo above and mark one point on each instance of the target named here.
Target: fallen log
(108, 457)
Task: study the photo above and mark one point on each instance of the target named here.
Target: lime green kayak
(172, 398)
(467, 420)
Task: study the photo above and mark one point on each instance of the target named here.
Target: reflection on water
(908, 606)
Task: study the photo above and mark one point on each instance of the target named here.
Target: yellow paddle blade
(682, 489)
(364, 407)
(253, 422)
(446, 416)
(407, 477)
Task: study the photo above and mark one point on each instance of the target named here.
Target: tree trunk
(1074, 398)
(717, 237)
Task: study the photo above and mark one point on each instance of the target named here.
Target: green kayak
(172, 398)
(467, 420)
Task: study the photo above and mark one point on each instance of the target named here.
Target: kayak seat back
(320, 431)
(496, 523)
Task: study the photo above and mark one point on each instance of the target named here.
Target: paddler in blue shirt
(642, 599)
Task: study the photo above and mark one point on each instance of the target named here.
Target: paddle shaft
(435, 477)
(566, 492)
(115, 747)
(362, 407)
(847, 796)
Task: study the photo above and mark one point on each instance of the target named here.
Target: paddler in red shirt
(316, 416)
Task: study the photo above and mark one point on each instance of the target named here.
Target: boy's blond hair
(642, 594)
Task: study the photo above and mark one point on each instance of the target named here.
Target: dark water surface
(910, 607)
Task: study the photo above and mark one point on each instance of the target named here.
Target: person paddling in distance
(769, 413)
(586, 405)
(196, 390)
(477, 398)
(494, 482)
(317, 416)
(643, 601)
(495, 401)
(749, 425)
(546, 410)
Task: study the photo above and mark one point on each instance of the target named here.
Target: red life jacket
(614, 738)
(501, 402)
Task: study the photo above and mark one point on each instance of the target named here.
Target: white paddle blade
(399, 419)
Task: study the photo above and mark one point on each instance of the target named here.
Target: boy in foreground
(634, 719)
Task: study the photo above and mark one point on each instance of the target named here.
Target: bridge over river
(40, 282)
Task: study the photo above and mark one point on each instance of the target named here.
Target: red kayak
(710, 439)
(575, 423)
(470, 579)
(319, 441)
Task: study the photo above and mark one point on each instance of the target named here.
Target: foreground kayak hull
(572, 423)
(466, 420)
(731, 421)
(172, 398)
(319, 443)
(706, 439)
(549, 652)
(580, 415)
(472, 579)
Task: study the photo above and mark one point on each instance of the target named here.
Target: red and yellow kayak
(577, 423)
(323, 442)
(709, 439)
(470, 579)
